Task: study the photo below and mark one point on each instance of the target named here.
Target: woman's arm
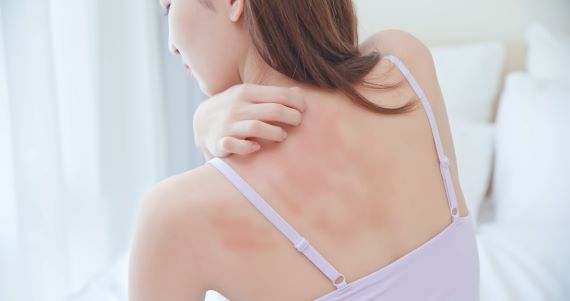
(166, 260)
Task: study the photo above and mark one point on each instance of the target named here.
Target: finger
(289, 96)
(257, 129)
(232, 145)
(273, 112)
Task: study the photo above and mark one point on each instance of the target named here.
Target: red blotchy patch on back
(240, 234)
(339, 231)
(285, 193)
(300, 179)
(323, 178)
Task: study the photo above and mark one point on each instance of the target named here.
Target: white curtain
(93, 112)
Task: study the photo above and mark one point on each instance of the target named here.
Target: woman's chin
(211, 90)
(206, 90)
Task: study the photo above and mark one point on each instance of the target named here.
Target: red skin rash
(313, 175)
(318, 168)
(323, 176)
(240, 234)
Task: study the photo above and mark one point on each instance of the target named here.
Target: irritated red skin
(310, 177)
(240, 234)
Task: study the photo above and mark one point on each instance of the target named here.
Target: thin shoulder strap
(443, 160)
(299, 242)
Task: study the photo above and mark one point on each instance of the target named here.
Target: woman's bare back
(363, 188)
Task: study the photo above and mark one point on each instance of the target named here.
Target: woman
(361, 202)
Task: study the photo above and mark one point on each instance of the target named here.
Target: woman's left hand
(223, 123)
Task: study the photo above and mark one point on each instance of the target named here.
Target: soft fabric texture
(470, 76)
(548, 55)
(82, 138)
(524, 261)
(525, 252)
(532, 167)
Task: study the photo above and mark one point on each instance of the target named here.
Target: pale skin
(224, 123)
(363, 188)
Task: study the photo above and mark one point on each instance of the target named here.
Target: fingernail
(283, 136)
(255, 147)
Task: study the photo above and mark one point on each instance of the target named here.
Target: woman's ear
(236, 10)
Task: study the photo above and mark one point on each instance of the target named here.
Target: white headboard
(441, 22)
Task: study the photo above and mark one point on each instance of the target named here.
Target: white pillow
(469, 76)
(524, 262)
(548, 54)
(473, 142)
(532, 164)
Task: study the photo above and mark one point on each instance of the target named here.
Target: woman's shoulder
(173, 219)
(409, 49)
(415, 56)
(404, 45)
(181, 192)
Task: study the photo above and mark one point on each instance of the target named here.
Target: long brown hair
(315, 42)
